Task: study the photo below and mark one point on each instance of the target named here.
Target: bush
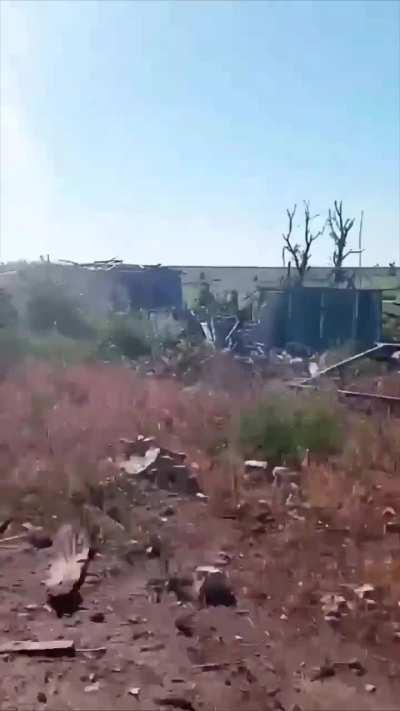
(50, 308)
(8, 312)
(282, 427)
(56, 348)
(128, 335)
(12, 349)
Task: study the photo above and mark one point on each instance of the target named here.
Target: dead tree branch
(339, 229)
(301, 254)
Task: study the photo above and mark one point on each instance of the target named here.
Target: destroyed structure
(266, 317)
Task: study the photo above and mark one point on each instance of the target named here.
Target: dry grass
(59, 426)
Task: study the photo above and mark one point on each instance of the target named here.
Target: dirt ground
(273, 650)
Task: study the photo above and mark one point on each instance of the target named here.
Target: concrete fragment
(364, 591)
(370, 688)
(137, 464)
(134, 691)
(255, 464)
(91, 688)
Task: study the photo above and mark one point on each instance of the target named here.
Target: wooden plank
(369, 396)
(56, 648)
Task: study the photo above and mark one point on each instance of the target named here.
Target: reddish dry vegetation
(303, 635)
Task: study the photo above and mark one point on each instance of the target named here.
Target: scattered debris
(392, 526)
(134, 691)
(39, 539)
(370, 688)
(182, 586)
(178, 702)
(137, 464)
(4, 525)
(153, 647)
(201, 496)
(285, 476)
(252, 465)
(97, 617)
(56, 648)
(325, 671)
(364, 591)
(212, 666)
(91, 688)
(213, 587)
(184, 624)
(333, 606)
(165, 468)
(356, 666)
(68, 570)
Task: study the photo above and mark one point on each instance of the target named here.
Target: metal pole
(360, 247)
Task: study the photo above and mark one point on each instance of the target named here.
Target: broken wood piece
(5, 524)
(68, 570)
(97, 651)
(56, 648)
(213, 666)
(9, 539)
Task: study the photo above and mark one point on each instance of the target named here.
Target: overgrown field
(314, 565)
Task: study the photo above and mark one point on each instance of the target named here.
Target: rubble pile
(162, 467)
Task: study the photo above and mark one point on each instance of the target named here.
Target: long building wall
(246, 279)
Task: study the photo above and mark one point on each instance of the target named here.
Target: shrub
(59, 349)
(281, 427)
(128, 335)
(50, 308)
(12, 348)
(8, 312)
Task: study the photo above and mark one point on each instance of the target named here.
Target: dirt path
(267, 650)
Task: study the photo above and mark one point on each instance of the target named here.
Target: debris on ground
(163, 467)
(68, 570)
(230, 598)
(56, 648)
(213, 587)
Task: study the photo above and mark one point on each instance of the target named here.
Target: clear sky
(179, 132)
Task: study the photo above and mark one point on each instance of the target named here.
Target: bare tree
(301, 254)
(339, 231)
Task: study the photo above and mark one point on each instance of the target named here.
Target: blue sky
(179, 132)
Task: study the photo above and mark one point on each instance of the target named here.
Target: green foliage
(129, 335)
(12, 348)
(57, 348)
(281, 427)
(16, 345)
(8, 312)
(50, 308)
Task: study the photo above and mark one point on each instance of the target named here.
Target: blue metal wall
(157, 288)
(322, 318)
